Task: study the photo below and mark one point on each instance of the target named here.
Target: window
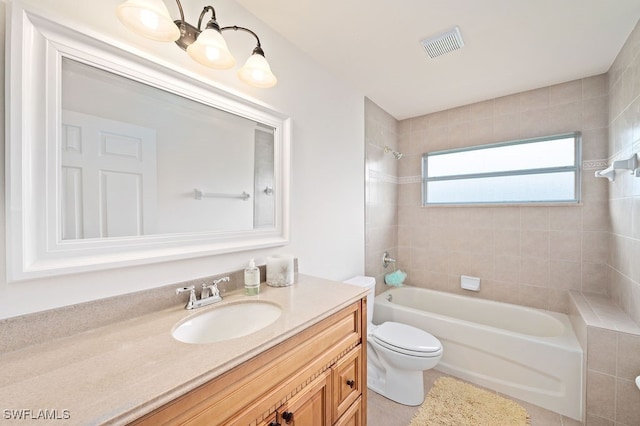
(541, 170)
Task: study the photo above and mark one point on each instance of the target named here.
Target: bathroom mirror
(115, 160)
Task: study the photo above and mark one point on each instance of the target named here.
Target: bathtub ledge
(600, 311)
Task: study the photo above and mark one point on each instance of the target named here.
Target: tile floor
(384, 412)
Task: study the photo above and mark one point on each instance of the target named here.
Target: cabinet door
(353, 415)
(311, 406)
(346, 381)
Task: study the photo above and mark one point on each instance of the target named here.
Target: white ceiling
(510, 45)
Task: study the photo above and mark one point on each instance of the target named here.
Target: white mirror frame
(34, 245)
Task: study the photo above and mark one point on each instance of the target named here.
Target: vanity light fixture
(151, 19)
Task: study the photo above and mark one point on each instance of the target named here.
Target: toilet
(397, 354)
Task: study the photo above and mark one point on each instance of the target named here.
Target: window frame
(577, 136)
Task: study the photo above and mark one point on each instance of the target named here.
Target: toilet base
(402, 386)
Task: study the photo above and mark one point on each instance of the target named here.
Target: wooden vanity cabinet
(309, 407)
(316, 377)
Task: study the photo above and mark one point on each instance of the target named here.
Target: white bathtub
(526, 353)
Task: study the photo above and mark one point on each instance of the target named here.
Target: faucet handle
(191, 288)
(192, 295)
(219, 280)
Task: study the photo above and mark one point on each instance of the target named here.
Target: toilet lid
(406, 339)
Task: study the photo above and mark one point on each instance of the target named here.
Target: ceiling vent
(443, 43)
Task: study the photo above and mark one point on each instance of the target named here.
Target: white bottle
(251, 279)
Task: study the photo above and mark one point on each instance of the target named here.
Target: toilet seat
(406, 339)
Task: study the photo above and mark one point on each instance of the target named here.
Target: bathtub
(529, 354)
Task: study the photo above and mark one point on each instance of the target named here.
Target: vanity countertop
(119, 372)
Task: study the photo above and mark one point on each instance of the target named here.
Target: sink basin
(226, 322)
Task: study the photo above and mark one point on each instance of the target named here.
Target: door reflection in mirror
(132, 154)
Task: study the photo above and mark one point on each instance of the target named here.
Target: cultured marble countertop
(117, 373)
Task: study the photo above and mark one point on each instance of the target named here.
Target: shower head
(396, 154)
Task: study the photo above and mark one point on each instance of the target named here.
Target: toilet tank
(370, 284)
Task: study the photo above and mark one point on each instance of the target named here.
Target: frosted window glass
(552, 187)
(537, 155)
(530, 171)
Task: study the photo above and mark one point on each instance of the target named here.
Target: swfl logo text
(41, 414)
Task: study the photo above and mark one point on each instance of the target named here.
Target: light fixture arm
(213, 23)
(181, 11)
(258, 48)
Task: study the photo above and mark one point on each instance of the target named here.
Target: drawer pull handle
(351, 383)
(274, 424)
(287, 416)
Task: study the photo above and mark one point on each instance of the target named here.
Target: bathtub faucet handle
(386, 260)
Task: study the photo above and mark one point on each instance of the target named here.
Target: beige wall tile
(601, 395)
(595, 216)
(534, 271)
(565, 218)
(594, 144)
(507, 104)
(595, 111)
(535, 243)
(507, 242)
(505, 292)
(601, 351)
(565, 245)
(565, 275)
(566, 118)
(535, 122)
(595, 86)
(507, 268)
(558, 301)
(564, 93)
(506, 127)
(594, 278)
(627, 403)
(595, 247)
(483, 110)
(534, 297)
(535, 218)
(534, 99)
(628, 357)
(507, 218)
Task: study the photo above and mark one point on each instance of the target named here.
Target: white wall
(327, 211)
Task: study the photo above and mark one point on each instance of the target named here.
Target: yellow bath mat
(452, 402)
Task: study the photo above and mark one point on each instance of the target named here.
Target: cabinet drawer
(272, 420)
(353, 416)
(346, 376)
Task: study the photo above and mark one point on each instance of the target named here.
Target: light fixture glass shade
(256, 72)
(148, 18)
(211, 50)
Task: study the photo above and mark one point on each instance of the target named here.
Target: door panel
(108, 177)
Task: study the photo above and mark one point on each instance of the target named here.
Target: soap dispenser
(251, 279)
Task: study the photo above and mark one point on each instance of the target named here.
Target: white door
(109, 177)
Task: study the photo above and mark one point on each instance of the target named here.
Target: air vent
(443, 43)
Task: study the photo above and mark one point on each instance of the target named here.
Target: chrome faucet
(208, 295)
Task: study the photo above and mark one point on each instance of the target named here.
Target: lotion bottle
(251, 279)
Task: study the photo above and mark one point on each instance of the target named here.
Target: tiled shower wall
(624, 192)
(381, 130)
(528, 255)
